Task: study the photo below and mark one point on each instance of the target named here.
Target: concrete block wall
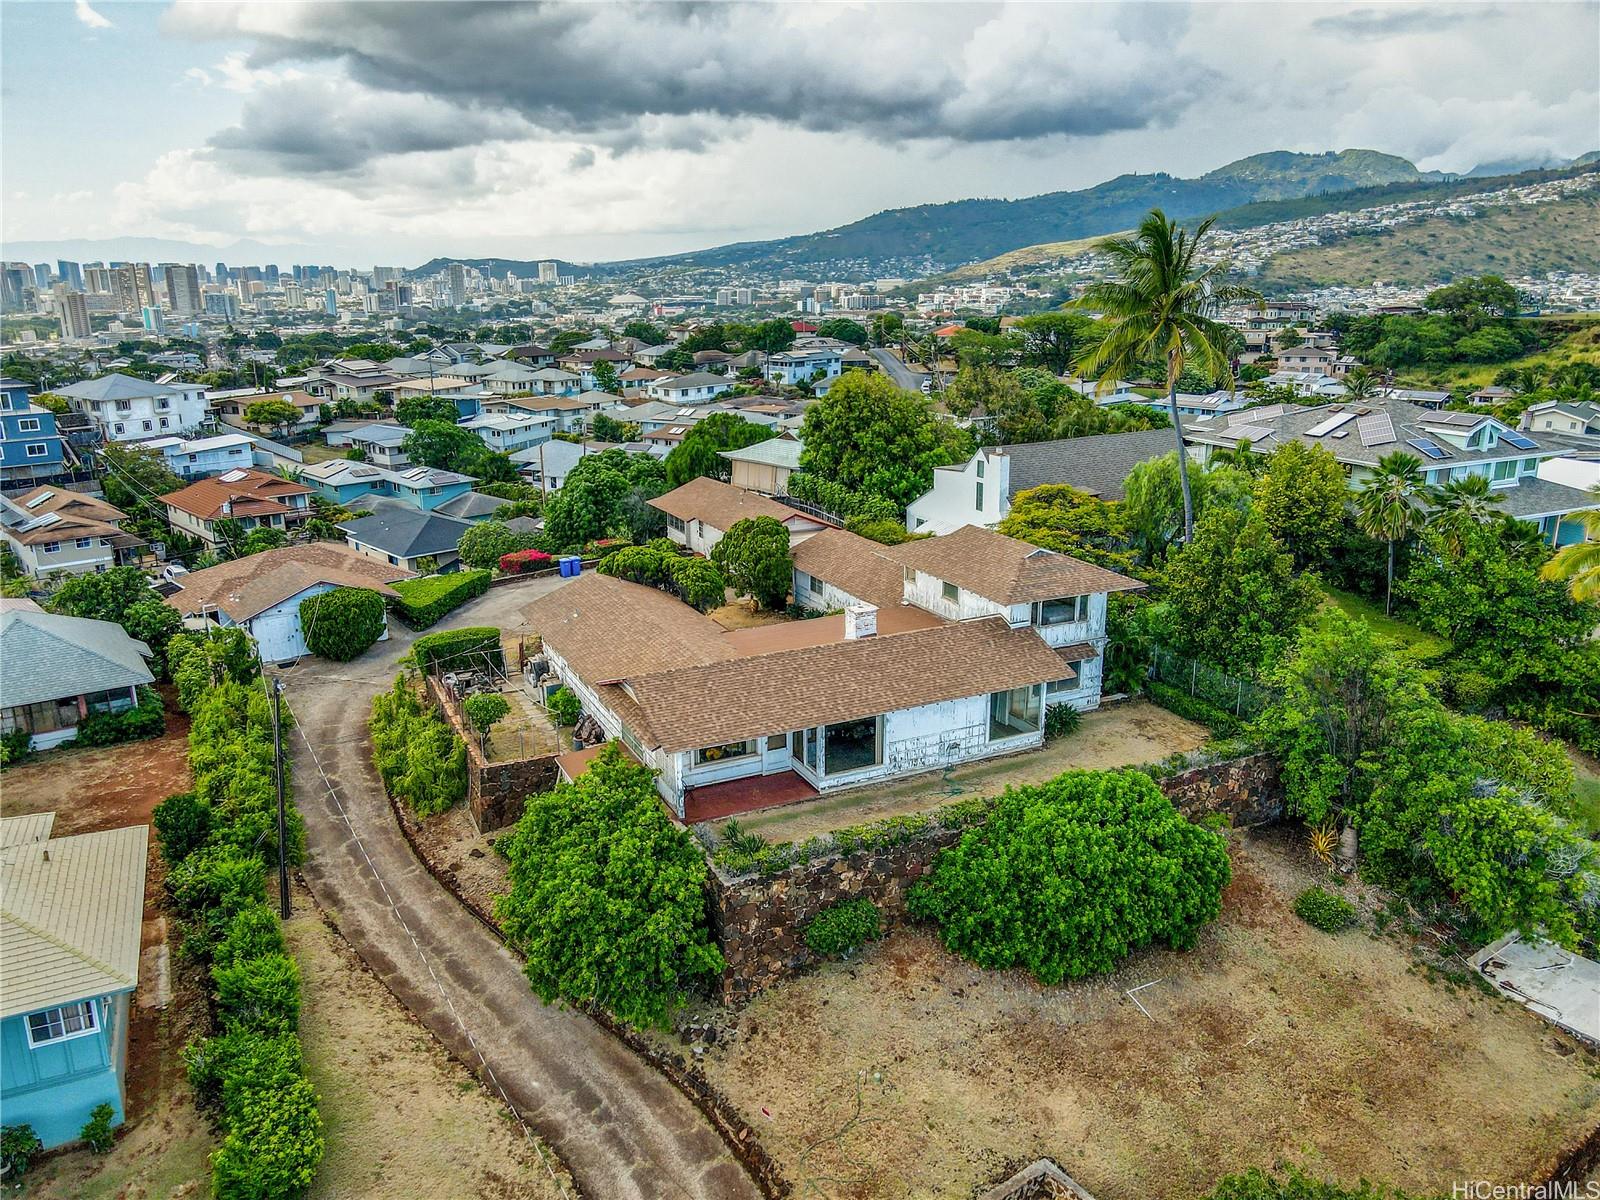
(496, 792)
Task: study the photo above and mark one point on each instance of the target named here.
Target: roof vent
(860, 621)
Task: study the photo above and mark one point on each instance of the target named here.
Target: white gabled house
(702, 510)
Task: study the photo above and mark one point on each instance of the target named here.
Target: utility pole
(277, 761)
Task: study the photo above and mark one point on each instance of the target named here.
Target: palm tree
(1240, 458)
(1360, 384)
(1579, 564)
(1389, 506)
(1461, 505)
(1164, 306)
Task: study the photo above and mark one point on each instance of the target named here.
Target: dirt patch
(452, 842)
(1120, 735)
(524, 732)
(911, 1073)
(744, 614)
(402, 1118)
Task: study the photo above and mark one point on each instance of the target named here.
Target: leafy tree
(678, 359)
(608, 429)
(606, 899)
(699, 582)
(1164, 306)
(106, 596)
(153, 622)
(441, 444)
(262, 537)
(754, 555)
(1477, 299)
(1068, 877)
(487, 542)
(485, 708)
(1152, 503)
(1053, 340)
(693, 458)
(639, 564)
(643, 331)
(586, 508)
(272, 414)
(1234, 594)
(1461, 505)
(342, 623)
(1302, 497)
(134, 477)
(1389, 506)
(417, 407)
(605, 378)
(769, 337)
(843, 329)
(868, 435)
(417, 753)
(1061, 518)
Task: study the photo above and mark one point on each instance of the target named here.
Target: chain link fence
(1203, 681)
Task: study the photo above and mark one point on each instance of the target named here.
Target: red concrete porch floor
(718, 800)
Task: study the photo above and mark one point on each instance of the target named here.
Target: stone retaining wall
(759, 923)
(496, 792)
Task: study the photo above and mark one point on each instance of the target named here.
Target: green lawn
(315, 452)
(1586, 791)
(1413, 641)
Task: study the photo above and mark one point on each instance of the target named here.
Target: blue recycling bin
(571, 565)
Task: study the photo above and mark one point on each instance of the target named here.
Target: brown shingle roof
(607, 629)
(251, 585)
(843, 681)
(1006, 570)
(719, 504)
(253, 493)
(77, 515)
(853, 564)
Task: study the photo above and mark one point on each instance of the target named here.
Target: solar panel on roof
(1429, 447)
(39, 499)
(231, 476)
(1248, 433)
(1517, 440)
(1375, 430)
(1332, 423)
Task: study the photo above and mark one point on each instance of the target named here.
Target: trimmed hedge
(342, 623)
(218, 841)
(475, 647)
(1192, 708)
(147, 719)
(422, 602)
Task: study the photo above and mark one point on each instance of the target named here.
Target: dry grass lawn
(402, 1118)
(912, 1074)
(746, 614)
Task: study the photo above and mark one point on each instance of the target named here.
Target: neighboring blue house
(196, 458)
(354, 484)
(31, 447)
(69, 961)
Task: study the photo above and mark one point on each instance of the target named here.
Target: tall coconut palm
(1389, 506)
(1579, 564)
(1163, 305)
(1462, 505)
(1360, 384)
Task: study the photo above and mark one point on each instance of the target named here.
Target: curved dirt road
(620, 1127)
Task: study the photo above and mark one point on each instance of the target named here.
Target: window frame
(726, 753)
(950, 592)
(84, 1008)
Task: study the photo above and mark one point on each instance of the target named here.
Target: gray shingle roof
(406, 532)
(117, 386)
(470, 506)
(1098, 464)
(1534, 497)
(49, 656)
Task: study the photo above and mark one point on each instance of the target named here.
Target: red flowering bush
(520, 562)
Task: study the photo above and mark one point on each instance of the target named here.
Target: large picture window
(1059, 612)
(61, 1024)
(1014, 713)
(716, 754)
(853, 745)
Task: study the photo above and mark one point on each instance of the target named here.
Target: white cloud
(88, 16)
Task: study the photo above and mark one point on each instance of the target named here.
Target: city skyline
(336, 132)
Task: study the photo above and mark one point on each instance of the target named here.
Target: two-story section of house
(51, 529)
(797, 367)
(703, 510)
(507, 432)
(254, 499)
(135, 410)
(571, 411)
(31, 447)
(196, 458)
(353, 484)
(69, 963)
(698, 387)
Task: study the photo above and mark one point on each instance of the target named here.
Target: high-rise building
(249, 274)
(222, 304)
(18, 284)
(294, 297)
(330, 302)
(183, 288)
(97, 280)
(72, 311)
(70, 273)
(270, 274)
(724, 297)
(549, 272)
(125, 288)
(41, 275)
(458, 285)
(153, 319)
(222, 272)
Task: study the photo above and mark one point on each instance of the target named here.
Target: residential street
(620, 1127)
(902, 375)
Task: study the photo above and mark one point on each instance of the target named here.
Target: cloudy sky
(392, 132)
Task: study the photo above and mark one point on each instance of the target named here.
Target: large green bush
(843, 928)
(564, 706)
(606, 899)
(1319, 907)
(342, 623)
(273, 1146)
(475, 647)
(224, 1069)
(260, 994)
(698, 582)
(754, 554)
(1068, 877)
(417, 753)
(422, 602)
(253, 932)
(183, 824)
(198, 662)
(146, 719)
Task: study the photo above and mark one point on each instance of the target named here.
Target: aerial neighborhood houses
(254, 499)
(50, 529)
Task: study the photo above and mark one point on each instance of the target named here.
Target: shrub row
(218, 841)
(522, 562)
(424, 601)
(147, 719)
(698, 582)
(1219, 720)
(746, 853)
(416, 751)
(840, 500)
(476, 647)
